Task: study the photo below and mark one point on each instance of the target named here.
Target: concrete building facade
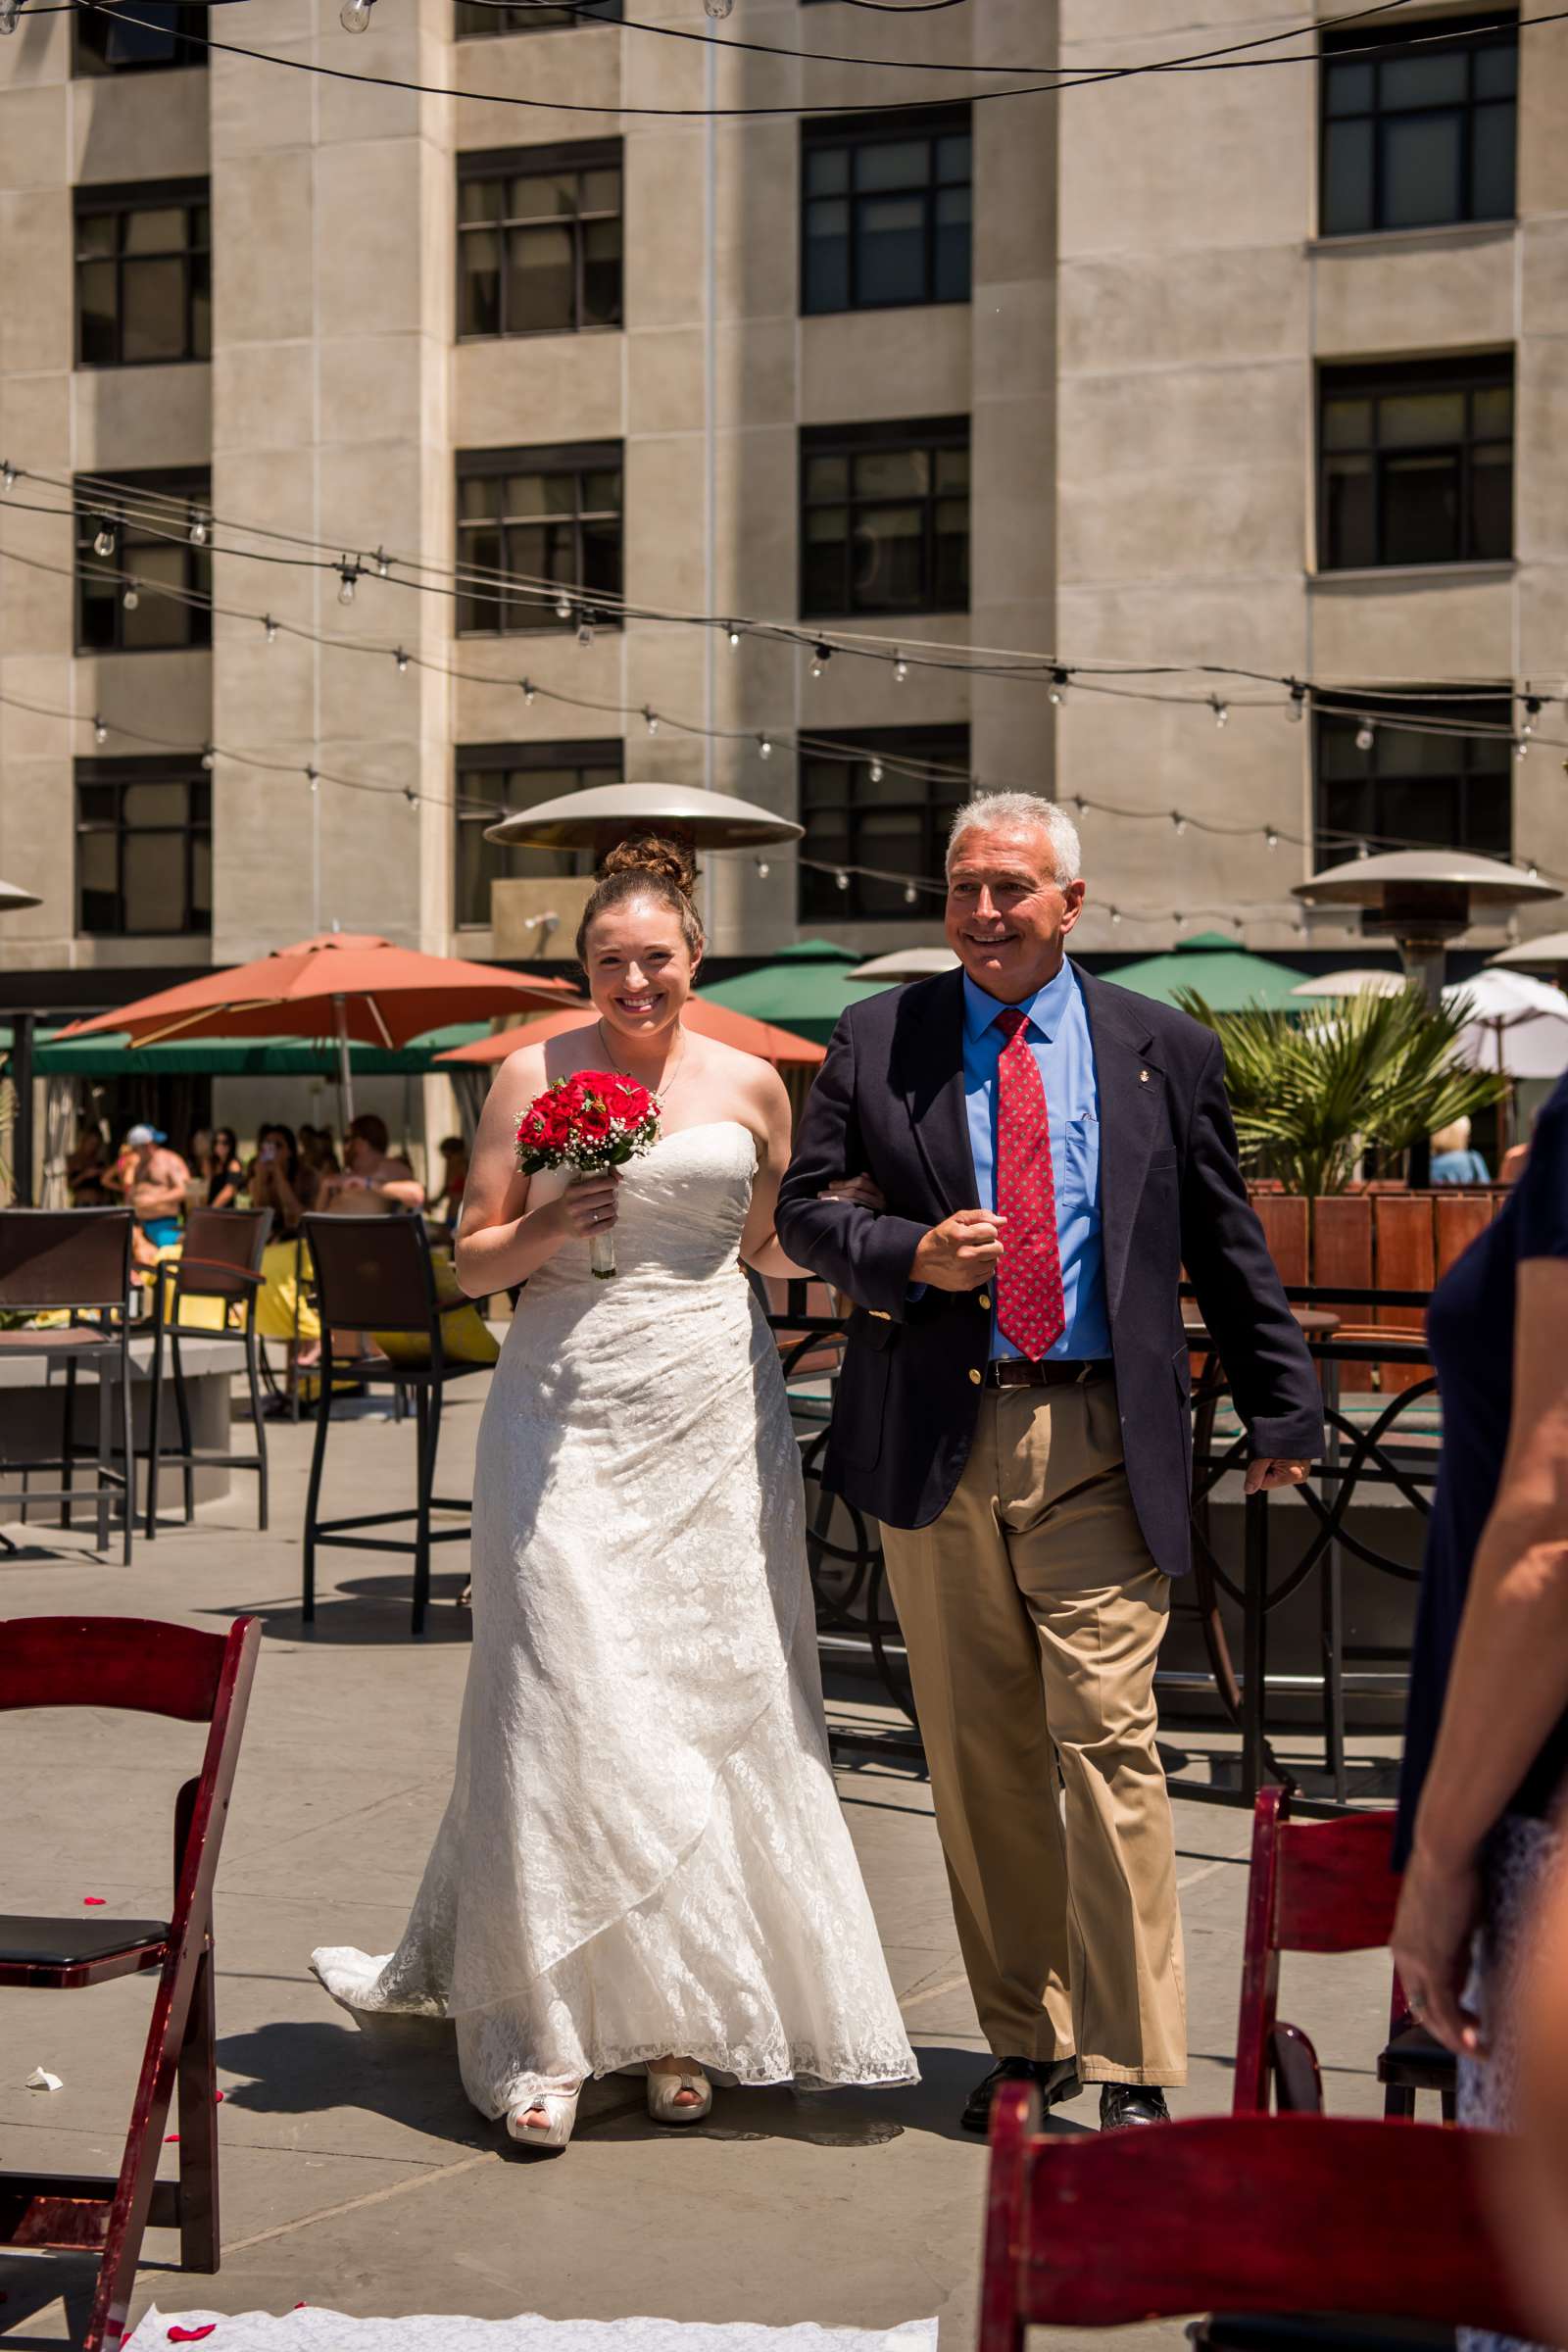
(1085, 374)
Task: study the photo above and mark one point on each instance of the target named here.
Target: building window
(144, 848)
(1416, 463)
(549, 514)
(1422, 132)
(150, 592)
(885, 518)
(105, 42)
(885, 203)
(144, 293)
(495, 778)
(477, 18)
(539, 240)
(1407, 788)
(887, 807)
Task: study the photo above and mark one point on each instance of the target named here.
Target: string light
(912, 897)
(875, 772)
(1271, 838)
(100, 733)
(380, 565)
(1178, 820)
(209, 759)
(131, 599)
(355, 15)
(649, 719)
(1296, 709)
(8, 472)
(530, 692)
(763, 868)
(563, 605)
(734, 636)
(198, 527)
(10, 11)
(900, 670)
(1520, 750)
(347, 575)
(765, 747)
(271, 626)
(402, 660)
(718, 8)
(841, 880)
(104, 538)
(1221, 711)
(1365, 736)
(1059, 687)
(585, 629)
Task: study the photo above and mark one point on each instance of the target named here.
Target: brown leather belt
(1057, 1372)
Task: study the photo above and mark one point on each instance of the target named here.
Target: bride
(643, 1861)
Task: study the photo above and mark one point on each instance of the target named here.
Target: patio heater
(610, 814)
(1548, 955)
(1422, 900)
(13, 898)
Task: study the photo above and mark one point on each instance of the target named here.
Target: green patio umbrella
(113, 1055)
(1228, 978)
(805, 988)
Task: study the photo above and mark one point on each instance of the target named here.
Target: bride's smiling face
(640, 969)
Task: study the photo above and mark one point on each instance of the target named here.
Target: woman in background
(225, 1171)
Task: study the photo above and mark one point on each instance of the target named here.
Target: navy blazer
(889, 1101)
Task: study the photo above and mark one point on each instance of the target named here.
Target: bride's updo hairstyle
(649, 867)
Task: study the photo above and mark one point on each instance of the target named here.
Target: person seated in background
(225, 1171)
(1452, 1159)
(86, 1167)
(318, 1153)
(446, 1200)
(277, 1180)
(156, 1188)
(373, 1181)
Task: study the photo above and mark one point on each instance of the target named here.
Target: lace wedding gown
(642, 1855)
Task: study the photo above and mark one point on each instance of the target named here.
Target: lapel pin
(1143, 1077)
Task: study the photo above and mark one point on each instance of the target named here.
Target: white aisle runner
(314, 2329)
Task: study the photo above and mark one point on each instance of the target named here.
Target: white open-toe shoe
(664, 2103)
(560, 2110)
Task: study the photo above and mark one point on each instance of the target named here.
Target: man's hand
(1438, 1902)
(1273, 1470)
(961, 1254)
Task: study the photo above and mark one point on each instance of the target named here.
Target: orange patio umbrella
(736, 1029)
(342, 985)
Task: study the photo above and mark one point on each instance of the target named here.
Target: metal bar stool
(222, 1260)
(75, 1260)
(376, 1274)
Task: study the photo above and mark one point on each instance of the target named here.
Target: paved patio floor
(353, 2172)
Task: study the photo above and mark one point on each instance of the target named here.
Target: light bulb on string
(1271, 837)
(100, 733)
(271, 626)
(104, 538)
(822, 656)
(763, 868)
(402, 660)
(715, 8)
(1366, 736)
(1532, 871)
(10, 11)
(1115, 915)
(765, 747)
(1178, 820)
(380, 565)
(900, 670)
(649, 719)
(348, 576)
(1362, 849)
(841, 881)
(529, 691)
(1527, 725)
(1520, 750)
(585, 630)
(209, 758)
(912, 897)
(8, 472)
(198, 529)
(1221, 711)
(876, 771)
(1059, 687)
(355, 15)
(1080, 806)
(563, 605)
(1296, 708)
(734, 635)
(132, 597)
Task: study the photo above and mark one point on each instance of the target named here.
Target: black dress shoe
(1123, 2104)
(1055, 2077)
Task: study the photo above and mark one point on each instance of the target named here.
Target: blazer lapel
(931, 1055)
(1132, 1116)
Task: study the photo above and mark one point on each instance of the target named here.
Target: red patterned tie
(1030, 1309)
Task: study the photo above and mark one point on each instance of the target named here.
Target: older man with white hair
(1051, 1150)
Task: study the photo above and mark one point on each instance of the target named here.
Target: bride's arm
(760, 1244)
(501, 1239)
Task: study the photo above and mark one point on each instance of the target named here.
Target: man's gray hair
(1007, 811)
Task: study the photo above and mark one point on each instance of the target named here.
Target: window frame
(577, 458)
(1466, 779)
(95, 498)
(587, 755)
(534, 20)
(117, 201)
(856, 133)
(191, 16)
(931, 434)
(1484, 33)
(122, 773)
(543, 162)
(946, 745)
(1378, 380)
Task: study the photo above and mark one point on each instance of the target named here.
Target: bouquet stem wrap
(588, 1124)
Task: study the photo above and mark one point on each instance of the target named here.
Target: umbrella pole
(345, 1068)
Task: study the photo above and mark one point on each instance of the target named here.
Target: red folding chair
(149, 1669)
(1289, 2230)
(1322, 1886)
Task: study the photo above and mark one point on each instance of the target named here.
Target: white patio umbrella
(1366, 983)
(1517, 1025)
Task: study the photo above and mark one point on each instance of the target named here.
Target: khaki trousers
(1033, 1616)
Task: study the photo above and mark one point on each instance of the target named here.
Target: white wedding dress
(644, 1854)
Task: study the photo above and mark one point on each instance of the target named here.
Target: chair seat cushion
(1416, 2060)
(1297, 2331)
(32, 1942)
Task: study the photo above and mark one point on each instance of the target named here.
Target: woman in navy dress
(1487, 1736)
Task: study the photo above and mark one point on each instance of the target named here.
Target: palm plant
(1311, 1092)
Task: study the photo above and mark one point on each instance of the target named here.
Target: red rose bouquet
(588, 1123)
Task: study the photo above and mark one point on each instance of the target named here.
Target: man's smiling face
(1008, 915)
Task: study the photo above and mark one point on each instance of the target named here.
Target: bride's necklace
(662, 1091)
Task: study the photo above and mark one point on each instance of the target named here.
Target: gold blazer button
(985, 1298)
(975, 1377)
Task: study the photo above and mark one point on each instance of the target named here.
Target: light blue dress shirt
(1058, 1038)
